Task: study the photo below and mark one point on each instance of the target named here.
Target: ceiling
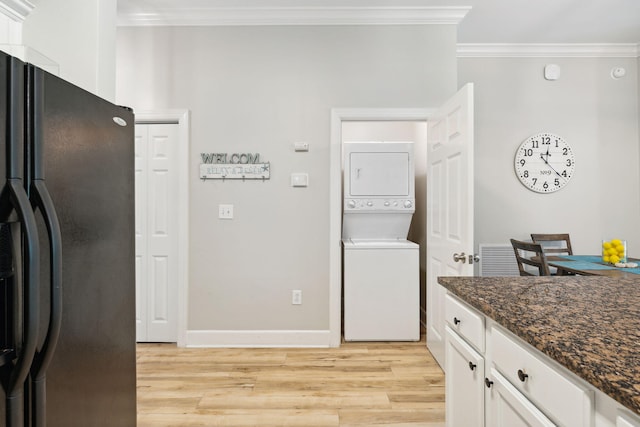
(487, 21)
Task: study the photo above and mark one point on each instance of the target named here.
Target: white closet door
(156, 232)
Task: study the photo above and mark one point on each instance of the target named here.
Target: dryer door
(379, 174)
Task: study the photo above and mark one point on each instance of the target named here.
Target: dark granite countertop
(590, 325)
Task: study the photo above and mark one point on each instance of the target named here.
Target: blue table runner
(590, 262)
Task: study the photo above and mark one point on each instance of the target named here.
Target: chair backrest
(530, 254)
(560, 243)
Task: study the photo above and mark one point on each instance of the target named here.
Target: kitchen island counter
(590, 325)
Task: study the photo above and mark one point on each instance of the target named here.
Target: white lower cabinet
(507, 407)
(495, 379)
(464, 382)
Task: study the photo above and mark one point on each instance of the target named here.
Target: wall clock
(544, 163)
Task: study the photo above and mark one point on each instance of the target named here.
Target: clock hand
(551, 167)
(545, 156)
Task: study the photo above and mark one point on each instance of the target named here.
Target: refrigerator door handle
(45, 354)
(25, 351)
(41, 199)
(20, 370)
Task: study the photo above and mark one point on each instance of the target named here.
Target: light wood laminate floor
(358, 384)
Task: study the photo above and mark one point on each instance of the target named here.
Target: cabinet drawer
(568, 403)
(465, 321)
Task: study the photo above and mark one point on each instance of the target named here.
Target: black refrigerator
(67, 257)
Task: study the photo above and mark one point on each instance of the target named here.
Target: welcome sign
(233, 166)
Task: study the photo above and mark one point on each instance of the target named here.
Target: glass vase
(614, 251)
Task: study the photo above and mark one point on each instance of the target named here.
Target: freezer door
(20, 299)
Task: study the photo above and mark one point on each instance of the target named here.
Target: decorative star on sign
(265, 167)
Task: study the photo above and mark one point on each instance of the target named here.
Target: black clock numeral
(556, 182)
(564, 173)
(534, 181)
(565, 151)
(545, 185)
(547, 140)
(534, 144)
(528, 152)
(522, 162)
(526, 174)
(569, 162)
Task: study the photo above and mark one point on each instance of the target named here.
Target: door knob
(460, 257)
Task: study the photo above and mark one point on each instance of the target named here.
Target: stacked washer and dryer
(381, 267)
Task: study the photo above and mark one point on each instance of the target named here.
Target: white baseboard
(217, 338)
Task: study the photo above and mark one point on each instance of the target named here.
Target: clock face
(544, 163)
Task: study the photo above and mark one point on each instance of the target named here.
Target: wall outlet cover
(225, 211)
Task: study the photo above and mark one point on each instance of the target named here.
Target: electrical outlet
(296, 297)
(225, 211)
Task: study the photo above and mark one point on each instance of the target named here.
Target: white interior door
(156, 232)
(449, 206)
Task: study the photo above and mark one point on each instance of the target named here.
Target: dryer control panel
(379, 204)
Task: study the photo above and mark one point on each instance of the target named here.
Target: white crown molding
(352, 15)
(18, 10)
(537, 50)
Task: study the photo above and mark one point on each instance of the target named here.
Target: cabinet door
(464, 381)
(507, 407)
(624, 420)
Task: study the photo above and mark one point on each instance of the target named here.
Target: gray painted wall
(596, 114)
(259, 89)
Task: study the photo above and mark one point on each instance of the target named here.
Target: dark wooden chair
(530, 254)
(553, 244)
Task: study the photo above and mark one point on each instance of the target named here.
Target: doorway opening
(370, 124)
(400, 130)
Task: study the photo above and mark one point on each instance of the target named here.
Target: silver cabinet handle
(474, 258)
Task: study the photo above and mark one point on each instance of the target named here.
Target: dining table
(592, 265)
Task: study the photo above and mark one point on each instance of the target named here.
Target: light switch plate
(301, 146)
(299, 179)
